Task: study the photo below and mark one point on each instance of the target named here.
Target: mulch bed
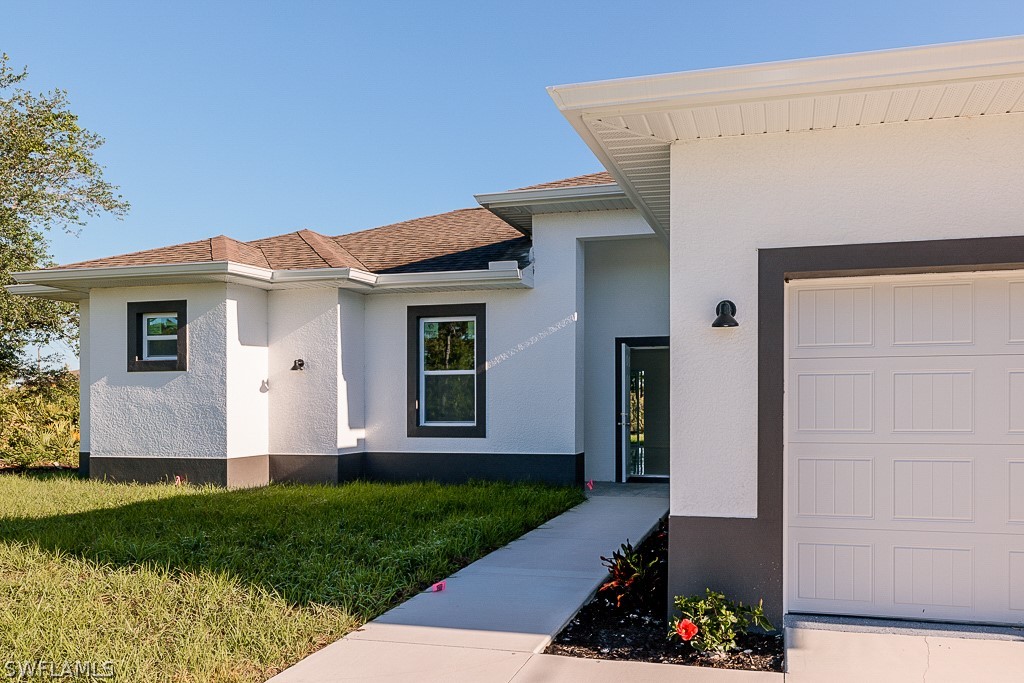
(602, 631)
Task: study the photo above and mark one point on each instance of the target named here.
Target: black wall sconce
(299, 364)
(725, 310)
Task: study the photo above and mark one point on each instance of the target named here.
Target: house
(304, 357)
(855, 446)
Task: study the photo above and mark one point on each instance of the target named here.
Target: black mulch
(602, 631)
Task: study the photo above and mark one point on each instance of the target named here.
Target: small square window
(156, 336)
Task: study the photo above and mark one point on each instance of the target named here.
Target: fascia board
(162, 272)
(549, 195)
(75, 283)
(44, 292)
(914, 66)
(509, 275)
(355, 276)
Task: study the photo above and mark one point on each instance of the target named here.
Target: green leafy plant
(711, 623)
(39, 421)
(635, 578)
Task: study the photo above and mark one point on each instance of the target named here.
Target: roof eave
(846, 72)
(73, 284)
(517, 207)
(500, 275)
(44, 292)
(589, 106)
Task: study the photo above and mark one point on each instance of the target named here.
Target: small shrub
(636, 579)
(712, 623)
(39, 420)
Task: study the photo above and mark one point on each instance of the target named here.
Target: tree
(49, 180)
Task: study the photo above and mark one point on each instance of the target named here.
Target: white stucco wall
(534, 398)
(351, 373)
(83, 376)
(952, 178)
(178, 414)
(303, 323)
(247, 358)
(626, 296)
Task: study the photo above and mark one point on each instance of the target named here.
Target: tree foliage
(49, 179)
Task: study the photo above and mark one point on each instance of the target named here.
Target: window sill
(155, 366)
(448, 431)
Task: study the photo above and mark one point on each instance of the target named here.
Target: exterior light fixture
(299, 364)
(725, 310)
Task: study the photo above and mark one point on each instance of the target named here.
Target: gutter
(517, 207)
(493, 200)
(74, 284)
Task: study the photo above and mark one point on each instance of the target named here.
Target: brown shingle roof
(226, 249)
(602, 178)
(465, 239)
(190, 252)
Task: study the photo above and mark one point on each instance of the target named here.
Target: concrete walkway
(498, 613)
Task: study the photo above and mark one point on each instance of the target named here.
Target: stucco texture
(169, 414)
(731, 196)
(535, 398)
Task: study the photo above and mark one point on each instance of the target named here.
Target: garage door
(905, 454)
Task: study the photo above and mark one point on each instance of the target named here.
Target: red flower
(686, 629)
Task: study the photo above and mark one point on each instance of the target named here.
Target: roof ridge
(335, 255)
(219, 248)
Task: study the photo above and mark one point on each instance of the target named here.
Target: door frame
(750, 562)
(638, 343)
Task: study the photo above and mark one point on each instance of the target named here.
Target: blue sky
(257, 118)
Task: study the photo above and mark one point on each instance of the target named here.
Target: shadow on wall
(362, 546)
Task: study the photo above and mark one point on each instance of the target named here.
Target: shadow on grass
(361, 546)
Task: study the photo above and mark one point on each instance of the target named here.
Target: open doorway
(642, 408)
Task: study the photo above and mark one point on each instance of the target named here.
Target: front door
(643, 412)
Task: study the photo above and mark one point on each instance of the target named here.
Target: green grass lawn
(203, 584)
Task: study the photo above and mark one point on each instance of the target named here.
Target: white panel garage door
(905, 454)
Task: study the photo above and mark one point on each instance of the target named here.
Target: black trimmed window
(157, 336)
(446, 378)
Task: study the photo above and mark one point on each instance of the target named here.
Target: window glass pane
(163, 325)
(449, 345)
(162, 347)
(449, 398)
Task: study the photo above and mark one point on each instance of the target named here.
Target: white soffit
(631, 123)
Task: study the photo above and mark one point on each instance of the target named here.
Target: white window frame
(424, 372)
(146, 337)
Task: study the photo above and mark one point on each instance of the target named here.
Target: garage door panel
(907, 318)
(905, 448)
(963, 399)
(933, 575)
(907, 486)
